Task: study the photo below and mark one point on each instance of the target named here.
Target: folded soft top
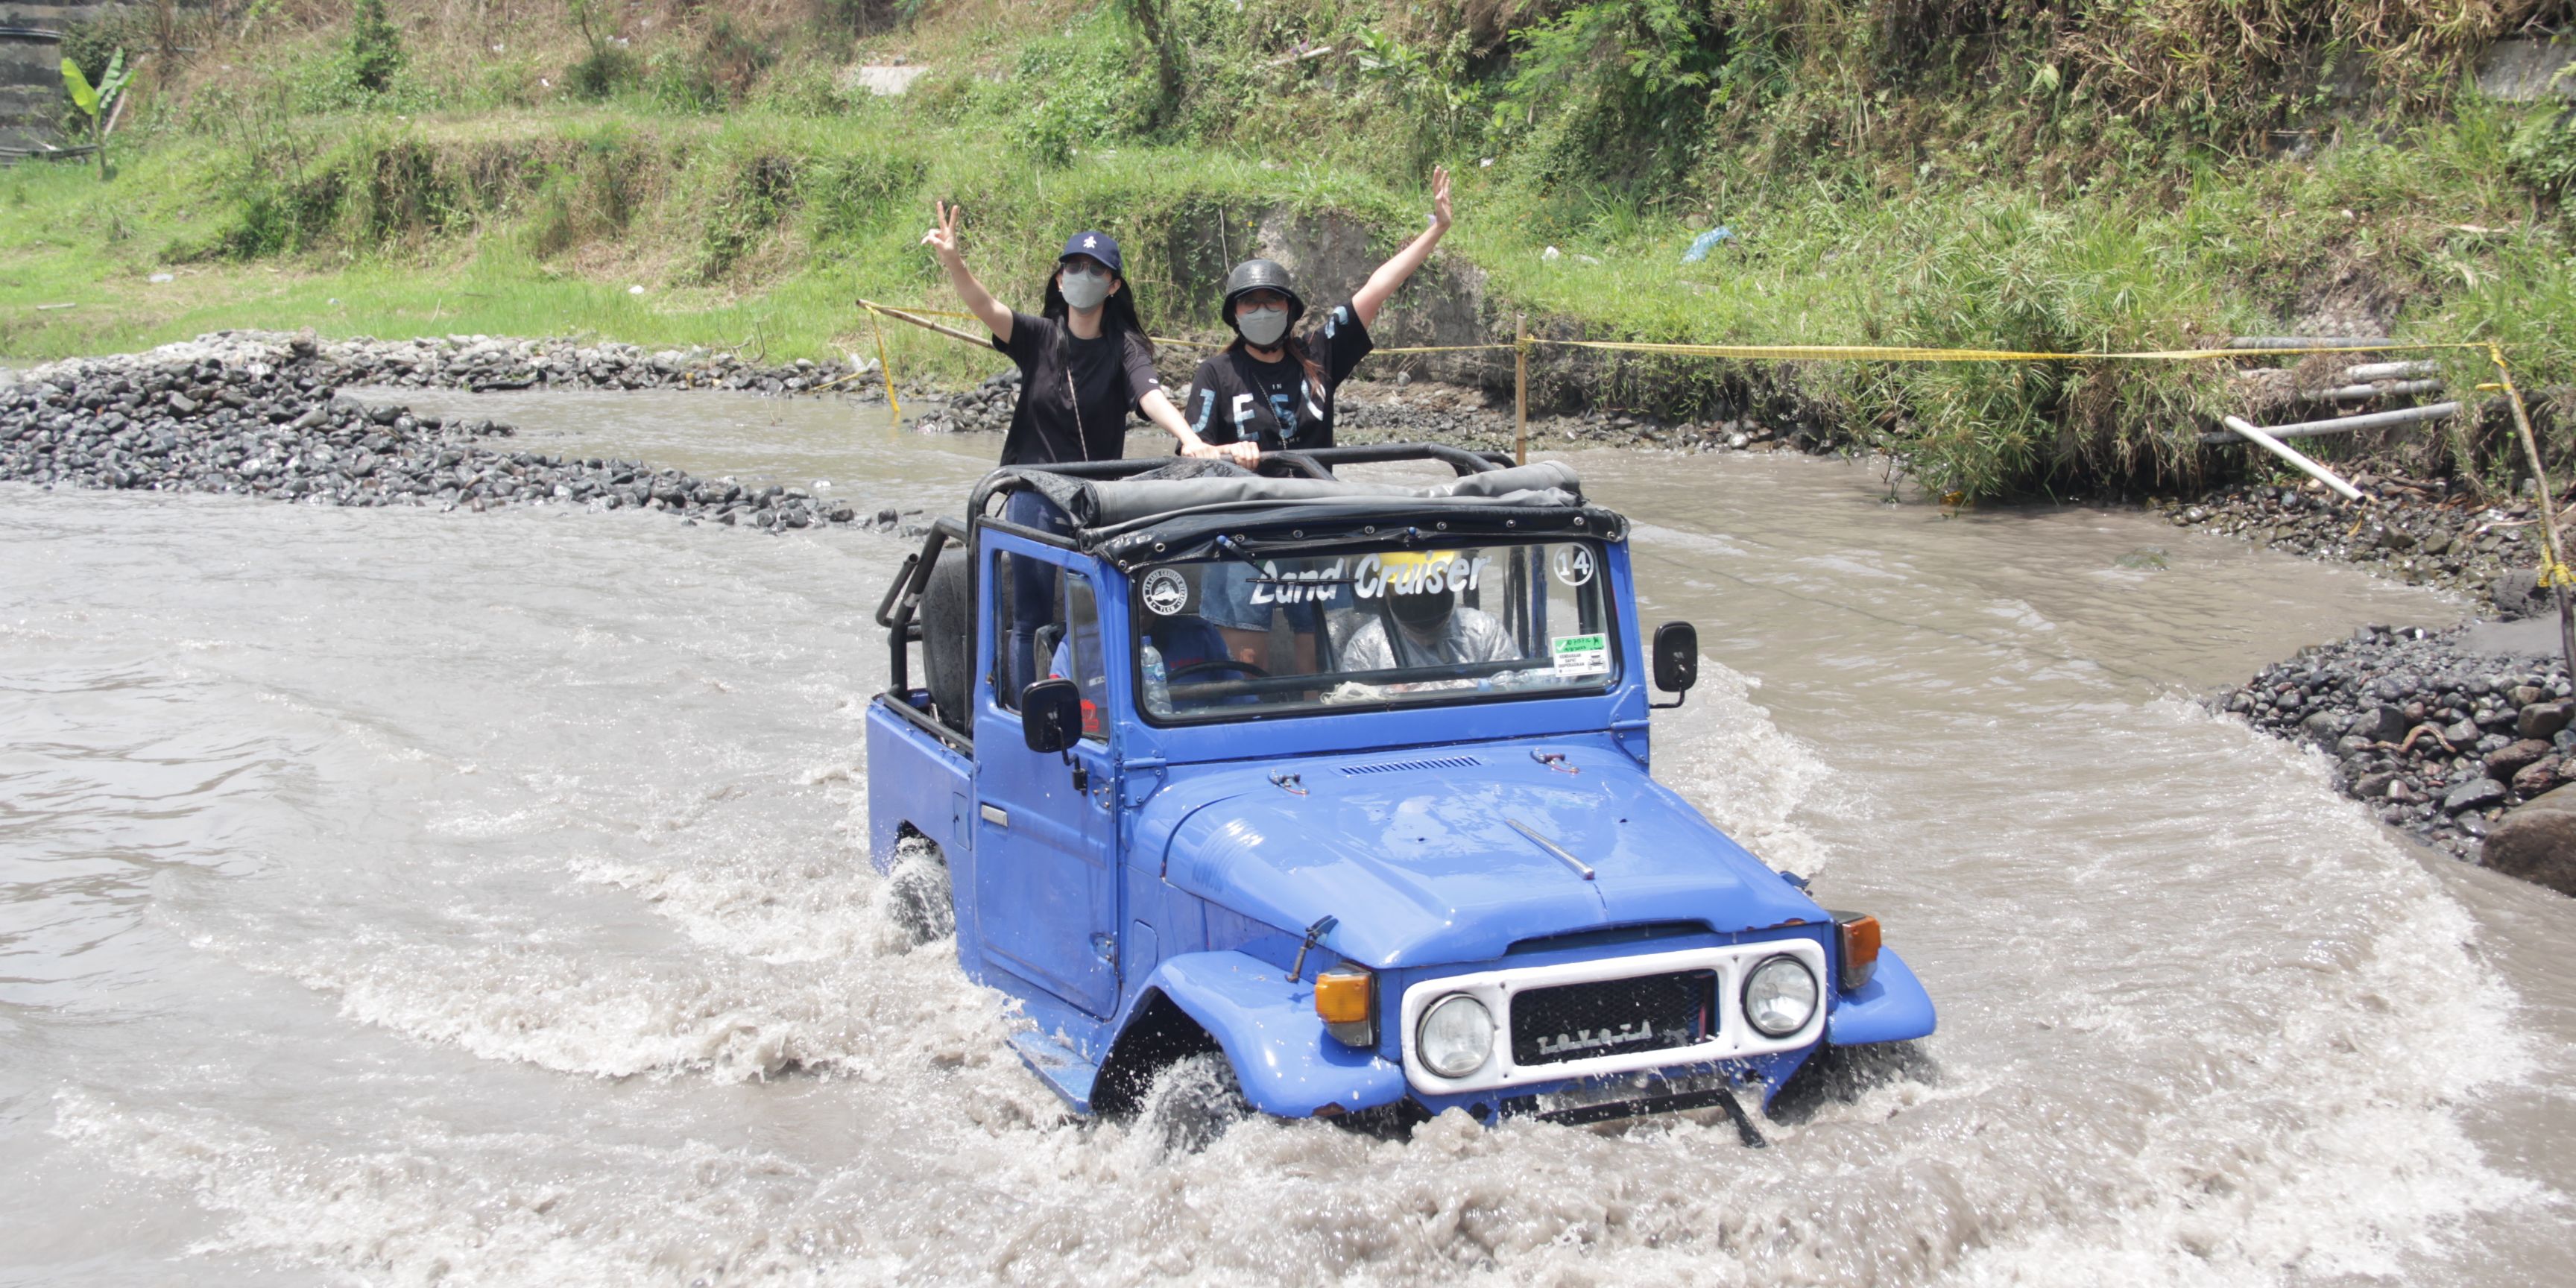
(1098, 505)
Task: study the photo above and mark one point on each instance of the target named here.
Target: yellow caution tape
(1900, 353)
(2554, 573)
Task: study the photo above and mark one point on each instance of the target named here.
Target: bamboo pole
(2555, 575)
(1520, 389)
(926, 324)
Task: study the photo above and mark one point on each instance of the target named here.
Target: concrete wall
(32, 100)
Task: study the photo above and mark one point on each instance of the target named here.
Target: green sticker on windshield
(1581, 654)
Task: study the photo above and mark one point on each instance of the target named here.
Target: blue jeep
(1348, 781)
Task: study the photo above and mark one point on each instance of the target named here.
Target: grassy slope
(528, 213)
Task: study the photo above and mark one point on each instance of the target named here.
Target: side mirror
(1676, 654)
(1051, 715)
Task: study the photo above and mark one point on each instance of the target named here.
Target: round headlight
(1456, 1036)
(1780, 997)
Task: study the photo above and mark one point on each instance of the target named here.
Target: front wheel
(917, 898)
(1193, 1101)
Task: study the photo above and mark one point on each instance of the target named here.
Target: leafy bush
(1083, 90)
(375, 48)
(2543, 153)
(1624, 88)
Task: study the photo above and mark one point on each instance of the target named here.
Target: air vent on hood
(1412, 766)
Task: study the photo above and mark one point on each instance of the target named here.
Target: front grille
(1613, 1017)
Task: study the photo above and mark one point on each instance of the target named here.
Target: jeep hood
(1419, 860)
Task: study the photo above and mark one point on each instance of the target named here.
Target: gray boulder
(2542, 719)
(2477, 793)
(2506, 761)
(2537, 842)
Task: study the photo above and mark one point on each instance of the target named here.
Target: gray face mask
(1262, 327)
(1083, 289)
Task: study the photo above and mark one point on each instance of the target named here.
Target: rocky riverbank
(2426, 532)
(480, 363)
(260, 416)
(2436, 733)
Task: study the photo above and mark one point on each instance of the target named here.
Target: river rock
(2537, 778)
(2542, 719)
(2537, 842)
(2506, 761)
(2382, 723)
(2477, 793)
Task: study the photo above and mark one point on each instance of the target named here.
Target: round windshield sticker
(1573, 564)
(1166, 592)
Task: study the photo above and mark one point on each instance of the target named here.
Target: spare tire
(948, 638)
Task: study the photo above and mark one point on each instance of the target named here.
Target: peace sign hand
(942, 237)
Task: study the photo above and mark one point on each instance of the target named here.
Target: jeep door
(1046, 892)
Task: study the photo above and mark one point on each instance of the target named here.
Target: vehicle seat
(948, 639)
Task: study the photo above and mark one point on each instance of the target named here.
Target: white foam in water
(629, 1005)
(1723, 754)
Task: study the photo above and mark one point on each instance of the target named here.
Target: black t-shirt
(1112, 374)
(1233, 397)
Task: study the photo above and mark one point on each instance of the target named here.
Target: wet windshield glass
(1224, 639)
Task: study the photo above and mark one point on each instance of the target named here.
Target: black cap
(1098, 245)
(1261, 275)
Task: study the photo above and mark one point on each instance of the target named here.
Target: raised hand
(942, 237)
(1440, 196)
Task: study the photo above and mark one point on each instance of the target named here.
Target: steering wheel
(1216, 664)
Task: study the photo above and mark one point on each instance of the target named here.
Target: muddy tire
(917, 897)
(1192, 1102)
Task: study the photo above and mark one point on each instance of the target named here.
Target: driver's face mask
(1424, 613)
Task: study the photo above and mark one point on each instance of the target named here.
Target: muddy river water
(393, 896)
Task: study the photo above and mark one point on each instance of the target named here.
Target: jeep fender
(1286, 1063)
(1892, 1007)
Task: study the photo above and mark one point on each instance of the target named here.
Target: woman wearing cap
(1273, 388)
(1084, 363)
(1084, 360)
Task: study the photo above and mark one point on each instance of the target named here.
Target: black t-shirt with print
(1233, 397)
(1110, 374)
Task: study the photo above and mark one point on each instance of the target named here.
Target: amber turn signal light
(1860, 948)
(1346, 1001)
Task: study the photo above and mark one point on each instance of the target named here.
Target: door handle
(996, 815)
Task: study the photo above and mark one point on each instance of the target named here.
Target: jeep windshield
(1248, 637)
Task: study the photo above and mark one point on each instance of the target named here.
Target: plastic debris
(1551, 254)
(158, 278)
(635, 290)
(1708, 241)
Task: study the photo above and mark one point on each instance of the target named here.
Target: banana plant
(95, 100)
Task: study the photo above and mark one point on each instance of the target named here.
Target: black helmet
(1261, 275)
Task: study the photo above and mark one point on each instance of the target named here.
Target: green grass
(467, 201)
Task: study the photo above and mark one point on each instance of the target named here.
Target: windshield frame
(1612, 628)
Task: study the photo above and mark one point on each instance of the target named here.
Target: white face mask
(1262, 327)
(1084, 288)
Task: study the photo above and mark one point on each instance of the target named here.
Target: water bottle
(1158, 688)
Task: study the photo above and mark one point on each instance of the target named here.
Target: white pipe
(2288, 453)
(2390, 370)
(2306, 341)
(2344, 424)
(2363, 393)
